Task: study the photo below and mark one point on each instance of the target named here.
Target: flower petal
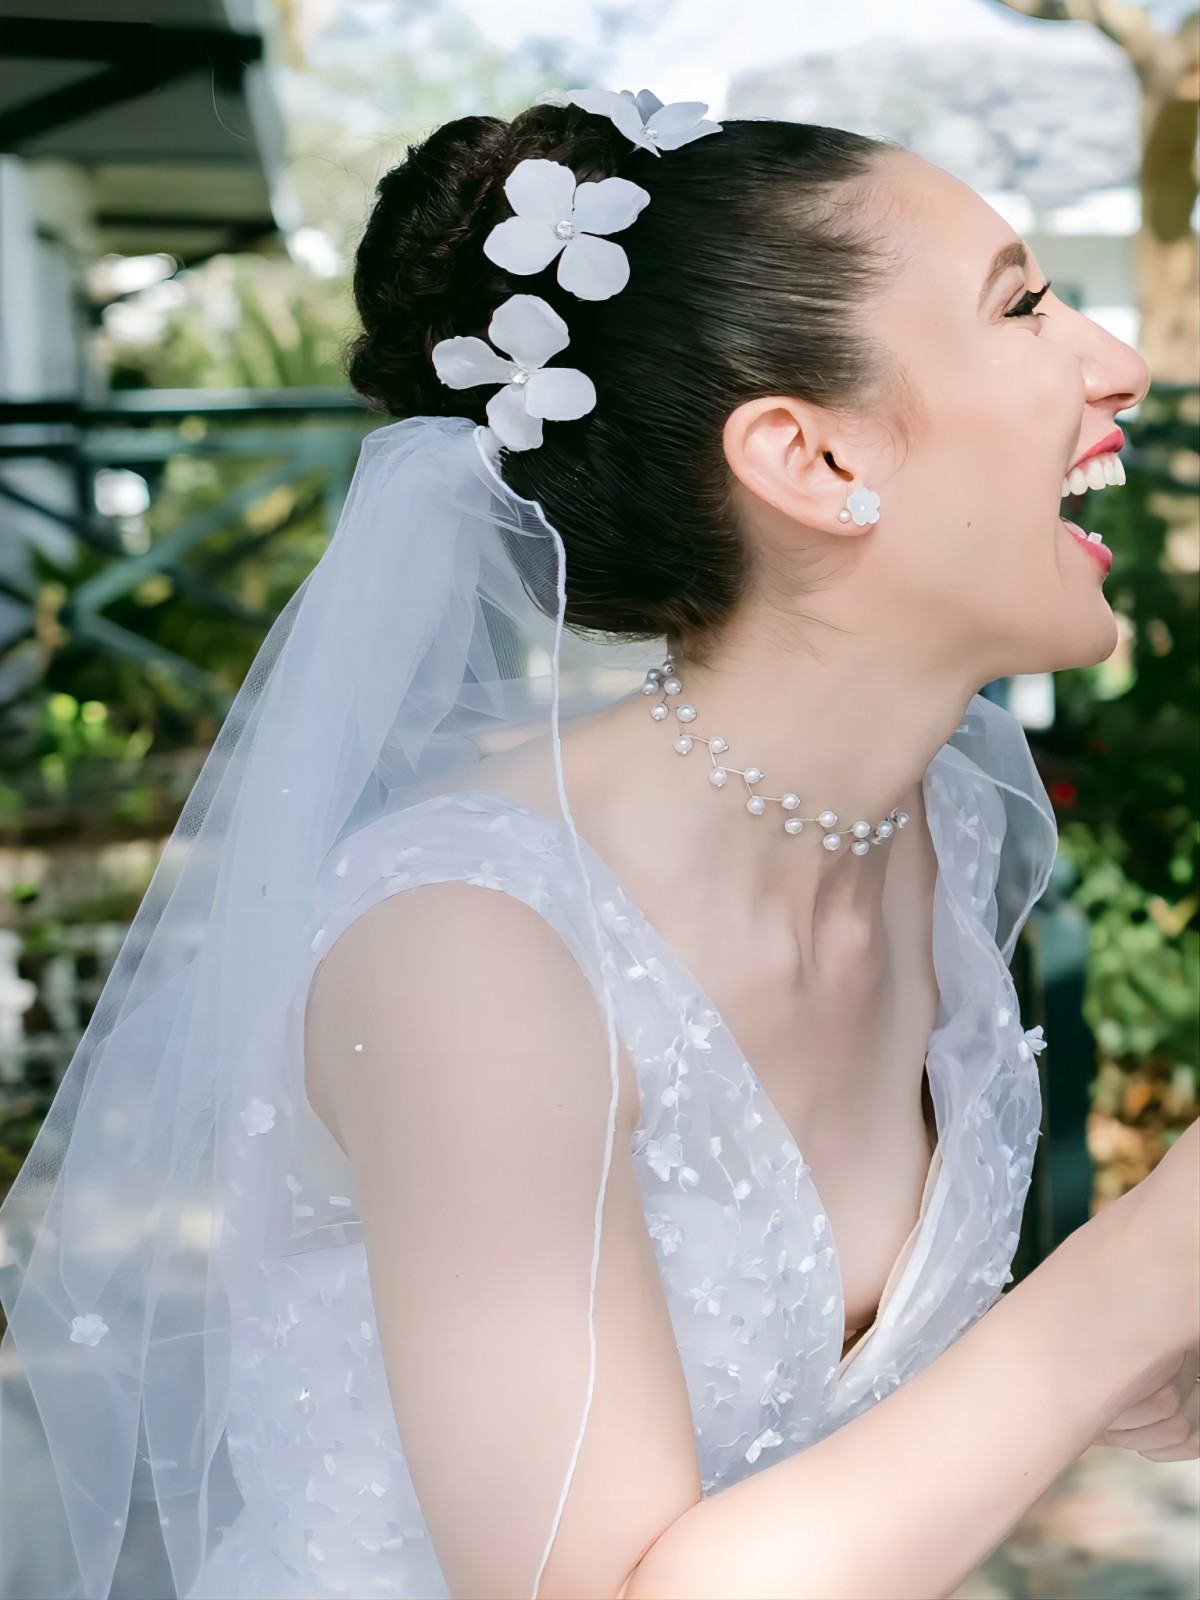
(521, 245)
(608, 206)
(461, 363)
(560, 394)
(593, 269)
(674, 141)
(679, 117)
(623, 112)
(510, 422)
(529, 329)
(541, 190)
(646, 103)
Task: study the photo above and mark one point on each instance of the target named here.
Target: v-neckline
(667, 954)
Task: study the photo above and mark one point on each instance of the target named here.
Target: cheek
(1002, 411)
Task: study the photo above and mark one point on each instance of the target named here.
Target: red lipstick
(1111, 443)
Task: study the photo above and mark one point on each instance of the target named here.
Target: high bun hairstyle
(747, 269)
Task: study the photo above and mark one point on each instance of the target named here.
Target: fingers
(1162, 1427)
(1187, 1448)
(1156, 1407)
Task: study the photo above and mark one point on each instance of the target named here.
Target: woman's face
(1005, 397)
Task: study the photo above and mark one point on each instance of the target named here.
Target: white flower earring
(861, 507)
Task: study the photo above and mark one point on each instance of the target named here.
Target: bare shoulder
(475, 1117)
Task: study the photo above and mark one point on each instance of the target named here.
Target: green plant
(1143, 979)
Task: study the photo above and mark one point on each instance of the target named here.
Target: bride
(560, 1122)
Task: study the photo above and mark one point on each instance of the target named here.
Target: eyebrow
(1009, 255)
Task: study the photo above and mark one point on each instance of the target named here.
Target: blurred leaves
(1124, 760)
(237, 322)
(1143, 991)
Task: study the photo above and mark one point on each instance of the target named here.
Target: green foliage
(1124, 749)
(1133, 754)
(1143, 979)
(237, 322)
(84, 731)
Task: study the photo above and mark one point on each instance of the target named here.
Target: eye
(1026, 306)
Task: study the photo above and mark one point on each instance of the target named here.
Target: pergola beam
(135, 59)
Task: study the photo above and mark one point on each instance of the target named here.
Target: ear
(786, 453)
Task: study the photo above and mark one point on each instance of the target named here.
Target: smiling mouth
(1098, 472)
(1102, 471)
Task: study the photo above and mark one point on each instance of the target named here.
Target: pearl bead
(789, 801)
(843, 515)
(717, 777)
(649, 688)
(828, 819)
(753, 775)
(861, 846)
(885, 830)
(671, 686)
(686, 713)
(793, 825)
(718, 746)
(658, 712)
(684, 743)
(861, 830)
(832, 841)
(756, 804)
(902, 819)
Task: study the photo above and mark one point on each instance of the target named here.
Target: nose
(1115, 376)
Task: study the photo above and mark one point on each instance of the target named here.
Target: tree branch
(1126, 24)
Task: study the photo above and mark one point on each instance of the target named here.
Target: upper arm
(474, 1118)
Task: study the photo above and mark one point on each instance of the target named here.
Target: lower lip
(1099, 553)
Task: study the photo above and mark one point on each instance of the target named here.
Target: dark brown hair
(747, 269)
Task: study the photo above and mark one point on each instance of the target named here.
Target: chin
(1086, 644)
(1099, 641)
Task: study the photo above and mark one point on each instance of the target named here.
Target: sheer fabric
(192, 1387)
(747, 1267)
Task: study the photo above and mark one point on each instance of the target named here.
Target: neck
(852, 735)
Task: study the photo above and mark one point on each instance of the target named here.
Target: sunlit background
(182, 184)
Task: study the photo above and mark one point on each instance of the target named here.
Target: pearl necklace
(663, 681)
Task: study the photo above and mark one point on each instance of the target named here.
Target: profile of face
(998, 389)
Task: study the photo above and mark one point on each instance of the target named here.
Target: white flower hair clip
(531, 332)
(644, 119)
(555, 216)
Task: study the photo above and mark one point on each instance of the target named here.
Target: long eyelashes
(1026, 305)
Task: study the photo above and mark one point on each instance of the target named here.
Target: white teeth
(1094, 538)
(1101, 472)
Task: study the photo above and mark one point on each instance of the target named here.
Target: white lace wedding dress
(742, 1243)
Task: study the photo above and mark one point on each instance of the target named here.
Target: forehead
(946, 233)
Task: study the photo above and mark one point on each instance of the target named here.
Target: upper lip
(1109, 444)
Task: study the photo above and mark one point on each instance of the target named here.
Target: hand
(1164, 1423)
